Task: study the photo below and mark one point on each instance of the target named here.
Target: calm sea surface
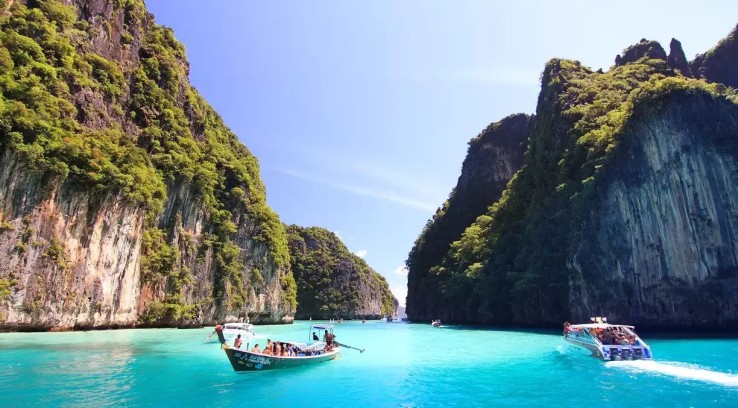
(405, 365)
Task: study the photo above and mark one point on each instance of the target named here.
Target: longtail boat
(314, 351)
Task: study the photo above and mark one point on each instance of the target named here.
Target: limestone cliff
(662, 244)
(124, 199)
(332, 282)
(718, 64)
(492, 159)
(626, 205)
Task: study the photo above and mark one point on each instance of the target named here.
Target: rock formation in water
(492, 158)
(332, 282)
(626, 205)
(124, 199)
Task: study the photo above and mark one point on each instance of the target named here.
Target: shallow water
(405, 365)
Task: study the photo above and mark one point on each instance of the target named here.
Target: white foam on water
(677, 370)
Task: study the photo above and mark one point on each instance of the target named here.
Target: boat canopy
(598, 326)
(322, 327)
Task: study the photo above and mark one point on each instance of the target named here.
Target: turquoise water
(405, 365)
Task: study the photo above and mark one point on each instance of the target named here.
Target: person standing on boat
(328, 338)
(238, 342)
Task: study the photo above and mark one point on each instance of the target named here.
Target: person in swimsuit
(238, 342)
(256, 349)
(268, 348)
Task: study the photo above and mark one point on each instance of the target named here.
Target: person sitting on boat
(567, 329)
(285, 352)
(238, 342)
(277, 349)
(256, 349)
(607, 337)
(315, 337)
(268, 348)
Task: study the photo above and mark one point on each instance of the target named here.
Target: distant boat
(608, 342)
(436, 323)
(391, 318)
(232, 330)
(305, 354)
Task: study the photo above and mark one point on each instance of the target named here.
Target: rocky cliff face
(332, 282)
(492, 159)
(662, 248)
(625, 207)
(73, 258)
(718, 64)
(124, 199)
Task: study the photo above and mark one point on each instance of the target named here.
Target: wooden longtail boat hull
(247, 361)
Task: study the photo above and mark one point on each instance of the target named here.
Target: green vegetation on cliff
(492, 158)
(510, 265)
(149, 129)
(331, 281)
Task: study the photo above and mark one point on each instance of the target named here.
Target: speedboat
(608, 342)
(436, 323)
(232, 330)
(313, 351)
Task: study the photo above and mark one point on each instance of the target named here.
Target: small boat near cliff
(314, 351)
(608, 342)
(232, 330)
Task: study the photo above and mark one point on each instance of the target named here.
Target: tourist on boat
(237, 343)
(567, 329)
(607, 337)
(277, 349)
(328, 338)
(268, 348)
(315, 337)
(256, 349)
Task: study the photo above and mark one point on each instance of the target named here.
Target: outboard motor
(627, 354)
(615, 354)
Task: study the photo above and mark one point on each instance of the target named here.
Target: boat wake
(677, 370)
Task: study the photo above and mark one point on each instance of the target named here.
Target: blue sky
(360, 112)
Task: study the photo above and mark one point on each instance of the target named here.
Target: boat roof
(598, 326)
(321, 326)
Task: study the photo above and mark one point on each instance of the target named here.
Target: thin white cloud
(340, 163)
(386, 175)
(361, 253)
(400, 293)
(401, 270)
(364, 191)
